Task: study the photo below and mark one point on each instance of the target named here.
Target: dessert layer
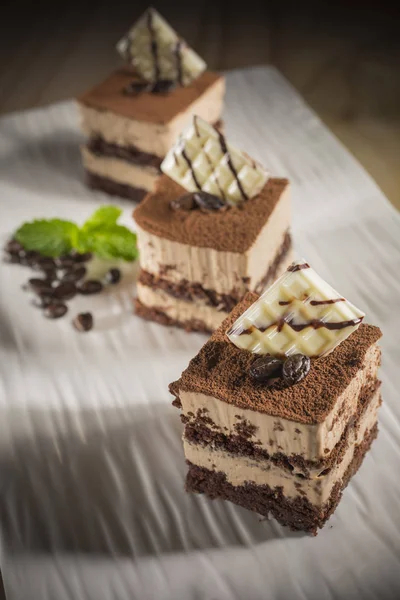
(100, 147)
(150, 122)
(200, 429)
(221, 370)
(113, 188)
(160, 317)
(317, 487)
(171, 310)
(188, 292)
(180, 310)
(119, 170)
(312, 441)
(132, 154)
(252, 231)
(196, 292)
(297, 513)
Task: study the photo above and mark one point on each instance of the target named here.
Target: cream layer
(119, 170)
(180, 310)
(153, 138)
(311, 441)
(242, 469)
(216, 270)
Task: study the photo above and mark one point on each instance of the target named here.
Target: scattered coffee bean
(65, 261)
(113, 276)
(51, 276)
(185, 202)
(40, 286)
(44, 263)
(206, 201)
(91, 286)
(29, 257)
(81, 257)
(163, 86)
(42, 301)
(13, 247)
(14, 259)
(73, 275)
(295, 368)
(265, 367)
(64, 291)
(55, 310)
(83, 322)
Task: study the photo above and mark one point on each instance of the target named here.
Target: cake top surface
(232, 230)
(158, 53)
(220, 369)
(202, 160)
(148, 107)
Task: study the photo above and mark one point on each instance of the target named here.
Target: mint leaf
(50, 237)
(100, 234)
(103, 216)
(113, 241)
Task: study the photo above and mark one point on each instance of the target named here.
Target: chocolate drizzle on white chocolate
(300, 313)
(154, 44)
(232, 167)
(221, 191)
(159, 56)
(288, 320)
(202, 160)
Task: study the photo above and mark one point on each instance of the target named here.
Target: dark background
(342, 56)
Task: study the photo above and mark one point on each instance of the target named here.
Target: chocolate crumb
(278, 426)
(177, 403)
(245, 429)
(164, 269)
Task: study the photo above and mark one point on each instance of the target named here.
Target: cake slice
(216, 226)
(133, 117)
(282, 433)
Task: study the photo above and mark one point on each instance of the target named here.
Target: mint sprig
(100, 234)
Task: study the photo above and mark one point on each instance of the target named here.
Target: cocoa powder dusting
(308, 402)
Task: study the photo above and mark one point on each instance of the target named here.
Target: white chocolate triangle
(299, 313)
(202, 160)
(158, 53)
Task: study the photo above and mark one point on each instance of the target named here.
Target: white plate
(91, 455)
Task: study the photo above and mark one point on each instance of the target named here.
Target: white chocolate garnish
(202, 160)
(299, 313)
(158, 53)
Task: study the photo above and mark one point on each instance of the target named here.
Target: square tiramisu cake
(216, 226)
(133, 117)
(280, 405)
